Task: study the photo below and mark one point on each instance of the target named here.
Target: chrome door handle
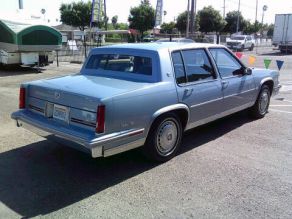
(188, 92)
(225, 84)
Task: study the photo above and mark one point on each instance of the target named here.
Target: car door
(198, 86)
(239, 89)
(248, 41)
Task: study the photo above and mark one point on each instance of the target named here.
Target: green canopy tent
(25, 37)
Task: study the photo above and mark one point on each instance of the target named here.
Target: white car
(241, 42)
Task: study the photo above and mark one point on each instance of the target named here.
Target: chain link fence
(77, 51)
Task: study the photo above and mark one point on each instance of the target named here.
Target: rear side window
(197, 65)
(121, 63)
(179, 70)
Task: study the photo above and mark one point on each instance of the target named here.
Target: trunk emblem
(57, 95)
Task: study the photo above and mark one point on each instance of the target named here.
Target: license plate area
(61, 113)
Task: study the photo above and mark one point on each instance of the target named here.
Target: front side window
(227, 64)
(121, 63)
(197, 65)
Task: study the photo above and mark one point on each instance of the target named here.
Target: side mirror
(243, 71)
(247, 71)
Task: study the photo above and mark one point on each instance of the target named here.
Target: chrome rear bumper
(97, 146)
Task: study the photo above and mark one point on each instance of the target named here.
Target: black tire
(251, 48)
(167, 129)
(242, 48)
(261, 106)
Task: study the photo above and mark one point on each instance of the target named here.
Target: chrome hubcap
(166, 138)
(264, 102)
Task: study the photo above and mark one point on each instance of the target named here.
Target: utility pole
(20, 3)
(256, 15)
(238, 13)
(188, 19)
(193, 15)
(224, 7)
(105, 17)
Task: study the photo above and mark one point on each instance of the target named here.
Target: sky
(9, 8)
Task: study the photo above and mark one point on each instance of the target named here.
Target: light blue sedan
(143, 95)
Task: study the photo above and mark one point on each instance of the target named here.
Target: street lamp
(265, 8)
(43, 11)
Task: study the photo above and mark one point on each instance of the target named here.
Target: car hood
(91, 86)
(235, 41)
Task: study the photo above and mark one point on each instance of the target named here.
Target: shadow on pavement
(17, 70)
(44, 177)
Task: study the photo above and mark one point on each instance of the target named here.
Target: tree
(231, 20)
(250, 28)
(115, 20)
(181, 22)
(142, 18)
(76, 14)
(270, 30)
(167, 27)
(210, 20)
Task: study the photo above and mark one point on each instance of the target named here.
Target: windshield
(238, 38)
(121, 63)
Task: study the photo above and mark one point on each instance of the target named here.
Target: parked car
(143, 95)
(176, 40)
(240, 42)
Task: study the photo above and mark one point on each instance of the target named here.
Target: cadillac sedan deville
(143, 95)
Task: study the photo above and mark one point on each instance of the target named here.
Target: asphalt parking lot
(232, 168)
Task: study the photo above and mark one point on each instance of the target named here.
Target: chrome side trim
(123, 148)
(218, 116)
(116, 136)
(170, 108)
(246, 91)
(265, 80)
(210, 101)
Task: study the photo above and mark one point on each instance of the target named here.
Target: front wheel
(260, 108)
(164, 138)
(251, 47)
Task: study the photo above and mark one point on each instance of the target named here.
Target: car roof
(157, 46)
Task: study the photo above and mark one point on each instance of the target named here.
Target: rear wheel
(260, 108)
(164, 138)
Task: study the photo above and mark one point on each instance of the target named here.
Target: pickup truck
(240, 42)
(143, 95)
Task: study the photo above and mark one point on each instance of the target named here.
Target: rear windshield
(121, 63)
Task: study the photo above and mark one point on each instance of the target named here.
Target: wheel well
(181, 113)
(270, 84)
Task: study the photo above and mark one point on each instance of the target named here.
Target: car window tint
(179, 70)
(121, 63)
(197, 65)
(226, 63)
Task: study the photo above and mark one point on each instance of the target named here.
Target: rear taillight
(22, 98)
(100, 119)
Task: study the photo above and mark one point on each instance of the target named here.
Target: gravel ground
(232, 168)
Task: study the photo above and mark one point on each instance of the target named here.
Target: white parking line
(280, 111)
(289, 101)
(280, 105)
